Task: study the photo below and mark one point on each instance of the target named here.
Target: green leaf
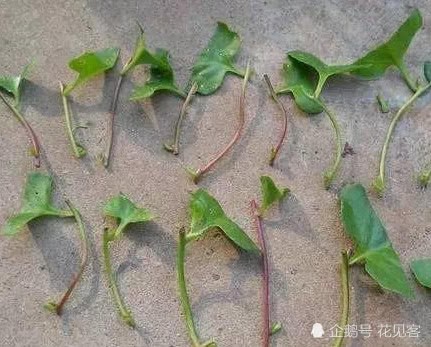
(216, 60)
(427, 71)
(275, 328)
(91, 64)
(422, 271)
(270, 192)
(206, 213)
(392, 52)
(161, 78)
(323, 70)
(299, 79)
(372, 243)
(13, 84)
(37, 202)
(126, 212)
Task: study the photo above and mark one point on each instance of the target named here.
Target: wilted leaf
(299, 79)
(372, 243)
(37, 202)
(161, 78)
(126, 212)
(91, 64)
(13, 84)
(270, 193)
(323, 70)
(422, 271)
(216, 60)
(206, 213)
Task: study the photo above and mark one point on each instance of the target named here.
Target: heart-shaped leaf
(323, 70)
(206, 213)
(126, 212)
(271, 193)
(299, 79)
(216, 60)
(372, 243)
(390, 53)
(422, 271)
(37, 202)
(13, 84)
(161, 78)
(91, 64)
(427, 71)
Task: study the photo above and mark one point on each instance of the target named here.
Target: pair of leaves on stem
(208, 71)
(373, 246)
(300, 68)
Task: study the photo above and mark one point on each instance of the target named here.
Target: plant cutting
(124, 212)
(270, 195)
(377, 61)
(12, 85)
(304, 76)
(206, 214)
(372, 248)
(425, 177)
(87, 65)
(422, 270)
(37, 203)
(209, 71)
(161, 80)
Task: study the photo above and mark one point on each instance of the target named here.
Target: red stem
(265, 274)
(31, 134)
(84, 259)
(237, 134)
(276, 149)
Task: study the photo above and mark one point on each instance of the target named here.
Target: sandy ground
(305, 235)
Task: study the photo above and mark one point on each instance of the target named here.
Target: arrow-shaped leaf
(91, 64)
(13, 84)
(373, 246)
(391, 53)
(126, 212)
(216, 60)
(206, 213)
(270, 193)
(37, 202)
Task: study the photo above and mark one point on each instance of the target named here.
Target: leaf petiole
(175, 147)
(379, 182)
(184, 297)
(30, 132)
(77, 149)
(125, 313)
(110, 129)
(276, 149)
(329, 174)
(267, 330)
(344, 272)
(201, 171)
(406, 75)
(57, 308)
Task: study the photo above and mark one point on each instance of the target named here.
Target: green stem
(124, 312)
(345, 297)
(175, 147)
(406, 75)
(57, 308)
(184, 297)
(329, 175)
(30, 132)
(379, 182)
(78, 150)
